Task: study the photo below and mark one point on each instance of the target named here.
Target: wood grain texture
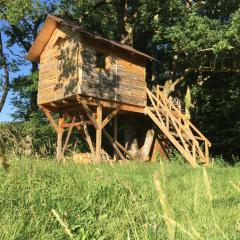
(68, 67)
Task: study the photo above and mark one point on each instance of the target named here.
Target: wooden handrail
(171, 138)
(200, 134)
(174, 120)
(184, 118)
(170, 114)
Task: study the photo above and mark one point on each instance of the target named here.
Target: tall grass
(40, 199)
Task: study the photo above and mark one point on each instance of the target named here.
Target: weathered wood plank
(50, 118)
(89, 113)
(68, 135)
(88, 137)
(110, 139)
(109, 117)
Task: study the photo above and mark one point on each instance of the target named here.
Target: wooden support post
(158, 95)
(87, 135)
(90, 115)
(167, 121)
(68, 136)
(99, 134)
(115, 125)
(114, 144)
(109, 117)
(194, 151)
(50, 118)
(59, 138)
(206, 152)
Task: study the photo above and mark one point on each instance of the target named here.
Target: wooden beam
(117, 144)
(74, 106)
(109, 117)
(88, 137)
(115, 134)
(124, 150)
(66, 125)
(170, 137)
(206, 152)
(49, 117)
(99, 133)
(59, 139)
(113, 144)
(68, 135)
(89, 113)
(111, 104)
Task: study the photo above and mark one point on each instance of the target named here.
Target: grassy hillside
(40, 199)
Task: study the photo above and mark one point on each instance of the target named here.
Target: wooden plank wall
(120, 81)
(59, 69)
(68, 67)
(98, 82)
(48, 71)
(131, 82)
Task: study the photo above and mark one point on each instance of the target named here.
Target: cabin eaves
(51, 24)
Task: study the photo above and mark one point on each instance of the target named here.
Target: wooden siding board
(121, 80)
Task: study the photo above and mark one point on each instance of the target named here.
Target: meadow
(40, 199)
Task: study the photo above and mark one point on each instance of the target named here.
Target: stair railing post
(158, 95)
(194, 151)
(206, 152)
(167, 121)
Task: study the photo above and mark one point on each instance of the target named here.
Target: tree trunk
(3, 63)
(145, 150)
(124, 26)
(130, 137)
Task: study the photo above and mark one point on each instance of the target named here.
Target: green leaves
(13, 11)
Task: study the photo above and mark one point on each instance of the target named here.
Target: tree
(11, 12)
(4, 83)
(22, 22)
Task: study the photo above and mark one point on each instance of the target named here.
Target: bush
(28, 138)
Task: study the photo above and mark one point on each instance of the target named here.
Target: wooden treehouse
(93, 83)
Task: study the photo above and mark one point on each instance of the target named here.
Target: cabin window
(100, 61)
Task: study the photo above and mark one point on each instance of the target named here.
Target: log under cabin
(97, 85)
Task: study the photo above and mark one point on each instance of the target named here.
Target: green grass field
(40, 199)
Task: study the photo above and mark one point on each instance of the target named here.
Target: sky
(23, 70)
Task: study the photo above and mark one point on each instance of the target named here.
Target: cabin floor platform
(71, 104)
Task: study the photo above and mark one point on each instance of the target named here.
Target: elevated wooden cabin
(89, 80)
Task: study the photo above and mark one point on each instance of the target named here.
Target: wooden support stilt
(68, 136)
(99, 133)
(59, 146)
(109, 118)
(59, 138)
(87, 135)
(114, 144)
(207, 151)
(50, 118)
(115, 125)
(89, 113)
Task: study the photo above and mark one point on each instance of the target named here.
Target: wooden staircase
(170, 119)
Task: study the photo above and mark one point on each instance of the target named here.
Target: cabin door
(68, 69)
